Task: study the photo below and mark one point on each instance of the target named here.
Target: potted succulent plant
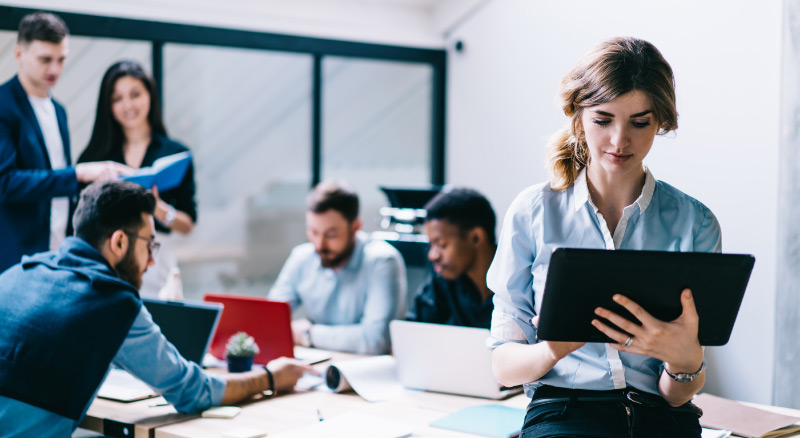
(240, 351)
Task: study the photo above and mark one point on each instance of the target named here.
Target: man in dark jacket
(37, 178)
(460, 224)
(67, 315)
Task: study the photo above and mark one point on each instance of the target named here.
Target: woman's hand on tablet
(674, 342)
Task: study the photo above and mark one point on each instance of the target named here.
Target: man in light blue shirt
(349, 285)
(68, 314)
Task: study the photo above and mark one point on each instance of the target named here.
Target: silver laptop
(444, 358)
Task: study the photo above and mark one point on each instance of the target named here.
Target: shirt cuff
(68, 179)
(217, 387)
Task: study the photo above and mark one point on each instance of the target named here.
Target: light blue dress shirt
(350, 307)
(542, 219)
(146, 354)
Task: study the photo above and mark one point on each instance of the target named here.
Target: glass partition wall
(246, 115)
(266, 117)
(79, 85)
(377, 127)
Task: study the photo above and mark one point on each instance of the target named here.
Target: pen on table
(319, 415)
(159, 404)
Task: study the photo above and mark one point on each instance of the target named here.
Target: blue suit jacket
(27, 181)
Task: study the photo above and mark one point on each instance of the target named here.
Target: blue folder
(166, 173)
(486, 420)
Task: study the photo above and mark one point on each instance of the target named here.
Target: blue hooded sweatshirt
(63, 316)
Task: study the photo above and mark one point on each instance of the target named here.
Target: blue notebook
(486, 420)
(166, 173)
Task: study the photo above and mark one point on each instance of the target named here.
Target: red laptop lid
(268, 322)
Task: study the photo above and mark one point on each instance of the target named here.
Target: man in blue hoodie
(67, 315)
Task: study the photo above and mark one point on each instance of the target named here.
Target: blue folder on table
(166, 173)
(486, 420)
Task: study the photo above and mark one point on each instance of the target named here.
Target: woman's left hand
(161, 206)
(674, 342)
(180, 221)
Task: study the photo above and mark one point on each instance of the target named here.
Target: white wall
(726, 59)
(400, 22)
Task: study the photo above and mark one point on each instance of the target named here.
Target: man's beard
(128, 270)
(338, 259)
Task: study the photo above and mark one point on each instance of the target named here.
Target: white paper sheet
(352, 425)
(715, 433)
(373, 378)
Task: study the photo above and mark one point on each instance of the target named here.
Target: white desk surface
(299, 409)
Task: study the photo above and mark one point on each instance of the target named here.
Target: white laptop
(445, 358)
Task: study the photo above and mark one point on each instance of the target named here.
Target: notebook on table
(268, 322)
(444, 358)
(493, 421)
(120, 385)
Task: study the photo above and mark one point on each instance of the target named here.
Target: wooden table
(136, 419)
(282, 413)
(291, 411)
(288, 412)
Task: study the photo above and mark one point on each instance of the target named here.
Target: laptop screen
(269, 322)
(187, 325)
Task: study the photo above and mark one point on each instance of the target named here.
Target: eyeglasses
(152, 245)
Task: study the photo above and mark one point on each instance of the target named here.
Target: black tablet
(580, 280)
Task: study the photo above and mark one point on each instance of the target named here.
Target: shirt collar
(647, 191)
(581, 190)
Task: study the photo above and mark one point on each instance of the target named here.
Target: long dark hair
(107, 135)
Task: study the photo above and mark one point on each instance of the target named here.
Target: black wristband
(271, 391)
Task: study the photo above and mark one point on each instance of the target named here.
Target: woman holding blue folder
(129, 129)
(618, 98)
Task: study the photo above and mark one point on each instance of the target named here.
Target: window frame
(160, 33)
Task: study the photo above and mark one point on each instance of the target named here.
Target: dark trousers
(580, 416)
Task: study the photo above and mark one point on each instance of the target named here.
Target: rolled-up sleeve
(510, 275)
(148, 355)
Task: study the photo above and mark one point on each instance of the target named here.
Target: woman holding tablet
(618, 97)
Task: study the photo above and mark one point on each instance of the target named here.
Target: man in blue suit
(37, 179)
